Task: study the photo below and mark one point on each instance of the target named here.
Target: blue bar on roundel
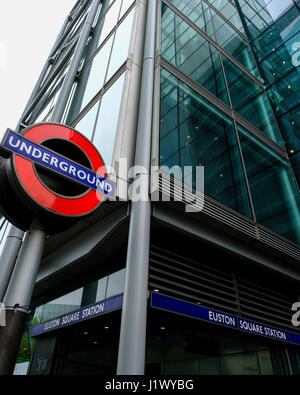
(57, 163)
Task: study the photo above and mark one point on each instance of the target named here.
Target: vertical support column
(8, 257)
(132, 345)
(18, 296)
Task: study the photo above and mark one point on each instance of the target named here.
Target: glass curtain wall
(200, 57)
(192, 133)
(95, 105)
(107, 51)
(239, 164)
(273, 29)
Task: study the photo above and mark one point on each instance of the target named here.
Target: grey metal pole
(18, 296)
(73, 68)
(21, 286)
(8, 257)
(19, 292)
(132, 345)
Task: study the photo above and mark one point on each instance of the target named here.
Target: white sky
(28, 30)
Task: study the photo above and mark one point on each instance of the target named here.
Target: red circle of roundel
(67, 206)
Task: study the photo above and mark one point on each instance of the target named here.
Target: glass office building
(226, 98)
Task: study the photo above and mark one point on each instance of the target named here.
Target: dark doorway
(90, 348)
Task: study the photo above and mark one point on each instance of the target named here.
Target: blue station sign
(192, 310)
(77, 316)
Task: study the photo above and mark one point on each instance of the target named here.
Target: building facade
(223, 277)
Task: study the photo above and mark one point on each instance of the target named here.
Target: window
(100, 69)
(249, 100)
(116, 283)
(87, 123)
(121, 45)
(107, 22)
(198, 12)
(106, 127)
(125, 5)
(274, 193)
(191, 53)
(63, 305)
(101, 289)
(280, 62)
(192, 133)
(229, 12)
(234, 44)
(285, 93)
(93, 76)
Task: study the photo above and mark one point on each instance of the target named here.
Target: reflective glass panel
(116, 283)
(191, 53)
(229, 11)
(234, 44)
(278, 33)
(289, 124)
(249, 100)
(258, 16)
(125, 5)
(87, 123)
(285, 93)
(107, 122)
(101, 289)
(282, 61)
(198, 12)
(63, 305)
(121, 45)
(275, 196)
(192, 133)
(93, 76)
(107, 22)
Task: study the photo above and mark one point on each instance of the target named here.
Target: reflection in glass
(107, 22)
(125, 5)
(249, 100)
(289, 123)
(63, 305)
(274, 193)
(101, 289)
(259, 15)
(87, 123)
(283, 30)
(193, 133)
(121, 45)
(285, 93)
(198, 12)
(116, 283)
(189, 51)
(107, 122)
(234, 44)
(230, 12)
(93, 76)
(280, 62)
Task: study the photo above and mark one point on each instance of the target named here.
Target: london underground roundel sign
(51, 172)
